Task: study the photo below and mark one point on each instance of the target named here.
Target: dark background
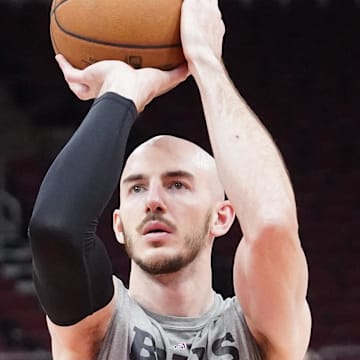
(297, 65)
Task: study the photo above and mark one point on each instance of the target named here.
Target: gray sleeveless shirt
(219, 334)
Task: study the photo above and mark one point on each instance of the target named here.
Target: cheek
(198, 204)
(130, 208)
(191, 216)
(197, 215)
(127, 220)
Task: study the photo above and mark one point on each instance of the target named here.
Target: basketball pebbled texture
(143, 33)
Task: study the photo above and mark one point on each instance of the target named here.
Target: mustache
(155, 217)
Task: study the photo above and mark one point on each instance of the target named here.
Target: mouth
(156, 227)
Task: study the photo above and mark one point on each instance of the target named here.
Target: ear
(225, 216)
(117, 226)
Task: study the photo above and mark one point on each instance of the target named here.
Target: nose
(154, 200)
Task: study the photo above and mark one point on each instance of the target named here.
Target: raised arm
(270, 271)
(72, 271)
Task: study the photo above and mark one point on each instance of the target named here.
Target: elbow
(272, 228)
(44, 231)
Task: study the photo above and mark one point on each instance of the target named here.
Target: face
(169, 194)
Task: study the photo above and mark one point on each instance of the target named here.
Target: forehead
(167, 153)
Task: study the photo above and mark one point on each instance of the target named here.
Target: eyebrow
(134, 177)
(179, 174)
(168, 174)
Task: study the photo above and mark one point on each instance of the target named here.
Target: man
(172, 207)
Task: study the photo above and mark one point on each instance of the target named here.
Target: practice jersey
(138, 334)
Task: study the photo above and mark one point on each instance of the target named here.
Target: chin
(161, 265)
(163, 259)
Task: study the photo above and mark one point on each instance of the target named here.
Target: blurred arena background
(296, 62)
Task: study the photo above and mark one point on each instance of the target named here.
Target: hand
(139, 85)
(202, 30)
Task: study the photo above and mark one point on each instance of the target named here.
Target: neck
(186, 293)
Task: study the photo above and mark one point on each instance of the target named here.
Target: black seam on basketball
(57, 5)
(53, 41)
(121, 45)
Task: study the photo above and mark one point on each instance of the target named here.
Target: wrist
(113, 87)
(203, 67)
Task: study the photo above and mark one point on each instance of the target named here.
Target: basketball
(141, 33)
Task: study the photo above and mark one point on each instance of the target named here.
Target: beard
(163, 264)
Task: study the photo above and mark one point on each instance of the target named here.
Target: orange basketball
(143, 33)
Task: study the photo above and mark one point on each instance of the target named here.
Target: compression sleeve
(71, 267)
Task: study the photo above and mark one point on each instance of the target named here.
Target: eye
(178, 185)
(137, 188)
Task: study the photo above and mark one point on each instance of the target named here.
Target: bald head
(173, 154)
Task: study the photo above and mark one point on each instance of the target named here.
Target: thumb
(157, 82)
(82, 91)
(171, 78)
(162, 81)
(70, 73)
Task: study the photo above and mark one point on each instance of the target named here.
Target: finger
(70, 73)
(64, 65)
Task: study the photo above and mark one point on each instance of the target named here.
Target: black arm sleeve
(72, 270)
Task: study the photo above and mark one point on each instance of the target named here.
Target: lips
(156, 227)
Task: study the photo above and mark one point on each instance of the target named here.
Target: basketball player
(172, 207)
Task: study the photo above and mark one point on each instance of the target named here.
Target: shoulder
(229, 331)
